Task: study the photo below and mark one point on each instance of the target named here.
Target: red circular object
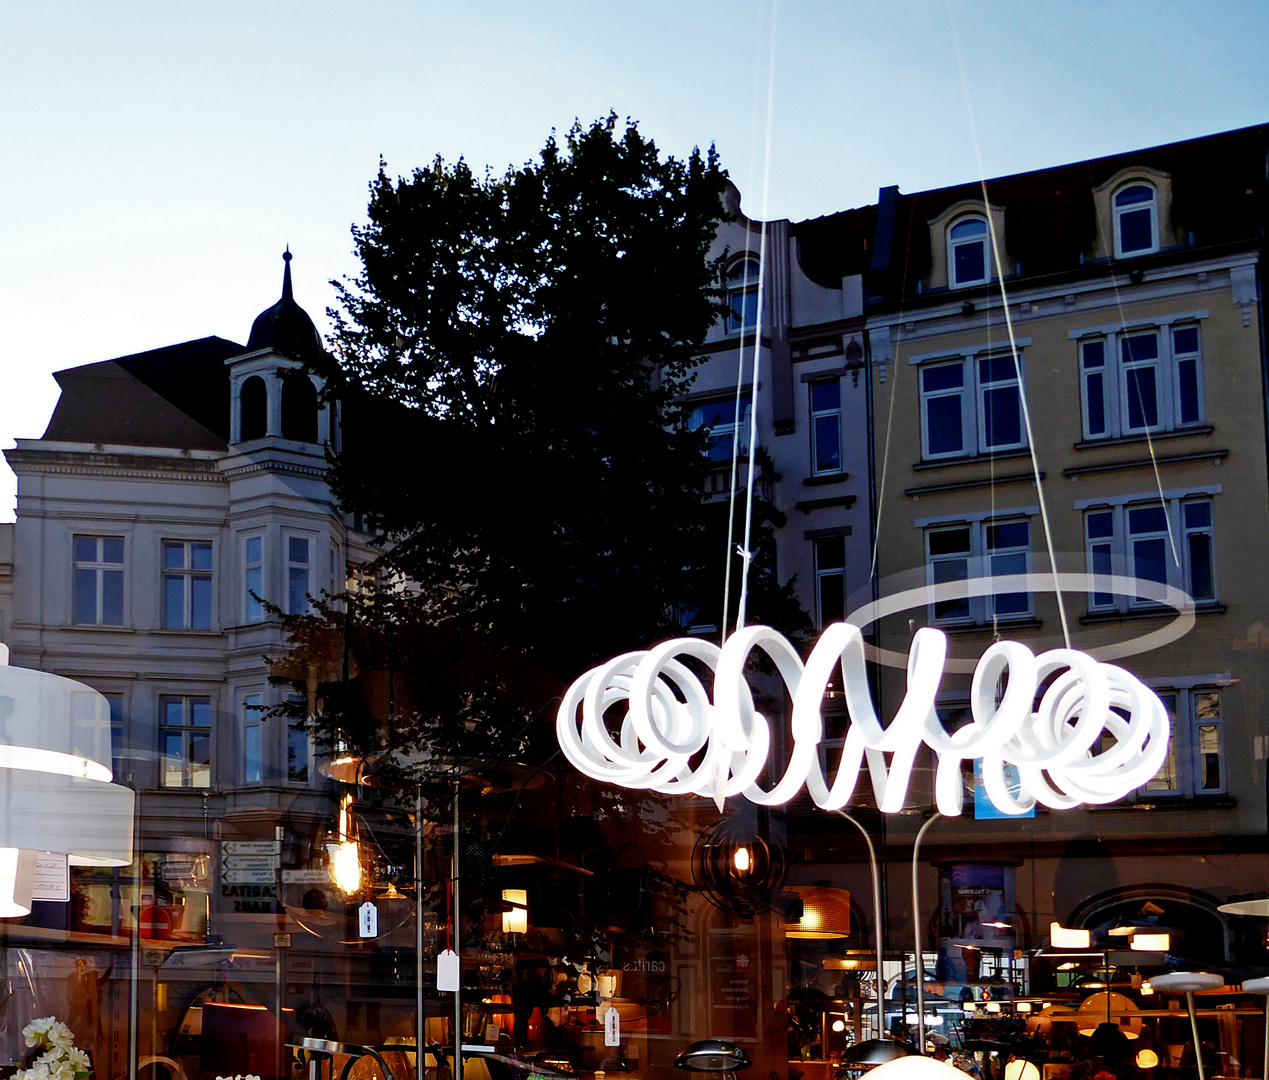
(155, 923)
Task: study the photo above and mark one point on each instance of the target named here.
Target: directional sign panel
(251, 862)
(305, 877)
(251, 847)
(249, 877)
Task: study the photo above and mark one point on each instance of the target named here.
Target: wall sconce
(825, 914)
(516, 921)
(1064, 937)
(55, 781)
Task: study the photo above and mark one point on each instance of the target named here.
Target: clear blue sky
(156, 157)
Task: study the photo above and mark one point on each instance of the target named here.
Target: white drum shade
(1181, 982)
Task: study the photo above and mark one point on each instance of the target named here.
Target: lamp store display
(56, 786)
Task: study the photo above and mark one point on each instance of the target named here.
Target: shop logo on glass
(1097, 733)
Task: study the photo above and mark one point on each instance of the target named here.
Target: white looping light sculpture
(675, 738)
(56, 793)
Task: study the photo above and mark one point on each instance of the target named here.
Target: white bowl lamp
(1186, 982)
(55, 781)
(1261, 987)
(916, 1067)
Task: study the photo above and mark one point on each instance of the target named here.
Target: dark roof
(835, 246)
(285, 327)
(177, 396)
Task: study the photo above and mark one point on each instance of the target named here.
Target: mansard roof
(176, 396)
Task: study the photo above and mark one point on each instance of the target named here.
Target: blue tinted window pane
(1102, 568)
(1101, 524)
(1013, 603)
(1198, 515)
(297, 754)
(1150, 560)
(1143, 404)
(200, 603)
(1147, 519)
(744, 271)
(828, 443)
(1187, 379)
(297, 549)
(1185, 340)
(255, 609)
(1140, 348)
(85, 549)
(1095, 397)
(86, 596)
(826, 395)
(1138, 193)
(202, 556)
(173, 760)
(971, 227)
(296, 588)
(112, 550)
(200, 761)
(1002, 417)
(200, 713)
(252, 771)
(173, 712)
(1094, 354)
(112, 597)
(943, 377)
(1200, 583)
(173, 556)
(1135, 233)
(951, 570)
(997, 369)
(1008, 534)
(949, 542)
(943, 424)
(253, 549)
(173, 600)
(970, 261)
(744, 308)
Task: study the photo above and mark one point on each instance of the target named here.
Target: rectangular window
(1196, 754)
(1170, 543)
(252, 740)
(185, 734)
(187, 585)
(830, 579)
(253, 578)
(299, 574)
(298, 750)
(117, 749)
(1141, 381)
(971, 406)
(99, 580)
(826, 426)
(992, 548)
(720, 418)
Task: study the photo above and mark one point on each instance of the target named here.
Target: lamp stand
(916, 937)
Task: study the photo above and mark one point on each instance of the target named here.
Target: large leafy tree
(513, 356)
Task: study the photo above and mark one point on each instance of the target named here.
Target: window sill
(1133, 440)
(969, 459)
(170, 631)
(1011, 622)
(970, 485)
(99, 628)
(1170, 802)
(1092, 618)
(843, 501)
(826, 478)
(1214, 456)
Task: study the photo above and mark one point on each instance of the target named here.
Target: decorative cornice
(116, 466)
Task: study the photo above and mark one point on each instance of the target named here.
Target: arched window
(1136, 220)
(299, 408)
(254, 410)
(741, 283)
(967, 255)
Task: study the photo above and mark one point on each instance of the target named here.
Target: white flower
(36, 1031)
(60, 1035)
(79, 1058)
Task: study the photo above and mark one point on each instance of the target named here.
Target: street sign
(251, 847)
(305, 877)
(251, 862)
(249, 877)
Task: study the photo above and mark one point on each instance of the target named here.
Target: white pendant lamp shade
(56, 793)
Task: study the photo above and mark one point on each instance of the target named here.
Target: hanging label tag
(368, 920)
(612, 1027)
(447, 970)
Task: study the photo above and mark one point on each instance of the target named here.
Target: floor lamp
(1261, 987)
(1186, 982)
(877, 919)
(916, 934)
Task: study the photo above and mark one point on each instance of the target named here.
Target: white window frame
(1177, 536)
(973, 411)
(1185, 751)
(981, 240)
(187, 730)
(294, 606)
(252, 704)
(819, 414)
(1118, 212)
(740, 281)
(187, 574)
(980, 561)
(300, 728)
(253, 610)
(1113, 373)
(830, 576)
(725, 426)
(99, 566)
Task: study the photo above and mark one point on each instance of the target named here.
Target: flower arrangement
(61, 1060)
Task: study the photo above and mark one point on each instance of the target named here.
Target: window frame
(301, 729)
(1117, 550)
(1171, 391)
(252, 702)
(739, 285)
(1185, 751)
(253, 610)
(188, 575)
(826, 574)
(1119, 212)
(978, 558)
(818, 414)
(291, 605)
(725, 428)
(980, 239)
(188, 730)
(973, 398)
(99, 566)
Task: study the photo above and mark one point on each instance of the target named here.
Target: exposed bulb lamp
(55, 781)
(345, 854)
(1021, 1069)
(516, 921)
(741, 860)
(675, 739)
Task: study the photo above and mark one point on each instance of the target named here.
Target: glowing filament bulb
(345, 859)
(741, 859)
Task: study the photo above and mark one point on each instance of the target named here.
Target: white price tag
(447, 970)
(612, 1027)
(368, 920)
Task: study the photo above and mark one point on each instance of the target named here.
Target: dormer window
(741, 283)
(1136, 220)
(967, 252)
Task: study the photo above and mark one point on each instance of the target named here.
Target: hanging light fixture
(55, 781)
(736, 868)
(825, 914)
(516, 921)
(344, 853)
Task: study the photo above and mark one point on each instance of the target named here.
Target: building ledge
(1024, 622)
(1214, 456)
(970, 459)
(826, 478)
(1092, 618)
(1138, 440)
(807, 505)
(970, 485)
